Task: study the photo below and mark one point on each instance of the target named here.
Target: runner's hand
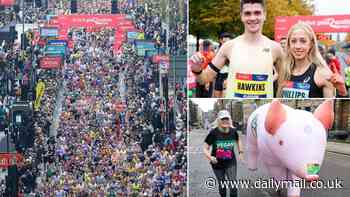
(213, 160)
(195, 62)
(339, 84)
(241, 158)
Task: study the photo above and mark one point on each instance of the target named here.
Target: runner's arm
(206, 150)
(328, 90)
(322, 79)
(278, 58)
(209, 74)
(239, 146)
(240, 151)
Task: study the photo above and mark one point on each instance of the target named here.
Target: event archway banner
(9, 159)
(329, 23)
(92, 23)
(7, 2)
(86, 20)
(50, 62)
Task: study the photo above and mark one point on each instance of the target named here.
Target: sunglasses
(227, 119)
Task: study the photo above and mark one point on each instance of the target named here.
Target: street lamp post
(7, 132)
(23, 47)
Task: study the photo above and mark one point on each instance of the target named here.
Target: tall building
(241, 110)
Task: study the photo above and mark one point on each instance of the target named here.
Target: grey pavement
(122, 86)
(336, 165)
(340, 148)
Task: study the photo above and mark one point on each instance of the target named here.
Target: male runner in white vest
(252, 57)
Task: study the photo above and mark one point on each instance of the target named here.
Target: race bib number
(251, 85)
(224, 149)
(296, 90)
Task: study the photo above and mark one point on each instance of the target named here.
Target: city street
(335, 166)
(89, 99)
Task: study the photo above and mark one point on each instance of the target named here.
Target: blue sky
(330, 7)
(205, 104)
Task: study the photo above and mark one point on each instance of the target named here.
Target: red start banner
(124, 28)
(50, 62)
(92, 23)
(7, 2)
(330, 23)
(85, 20)
(9, 159)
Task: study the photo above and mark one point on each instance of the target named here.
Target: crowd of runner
(115, 135)
(99, 150)
(32, 14)
(149, 20)
(6, 17)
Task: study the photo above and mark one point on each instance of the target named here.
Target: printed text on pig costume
(211, 184)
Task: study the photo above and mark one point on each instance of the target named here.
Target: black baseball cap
(225, 35)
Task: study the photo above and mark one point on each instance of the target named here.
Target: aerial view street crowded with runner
(91, 101)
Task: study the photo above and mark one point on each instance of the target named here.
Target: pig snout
(310, 178)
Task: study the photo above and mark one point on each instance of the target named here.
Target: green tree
(196, 25)
(284, 8)
(347, 38)
(208, 18)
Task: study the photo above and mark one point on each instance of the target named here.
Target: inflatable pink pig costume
(291, 143)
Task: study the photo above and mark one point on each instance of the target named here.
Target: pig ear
(276, 115)
(325, 113)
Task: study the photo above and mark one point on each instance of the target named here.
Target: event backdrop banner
(85, 20)
(57, 42)
(163, 61)
(49, 31)
(135, 36)
(119, 22)
(50, 62)
(330, 23)
(9, 159)
(7, 2)
(143, 45)
(161, 58)
(55, 50)
(150, 53)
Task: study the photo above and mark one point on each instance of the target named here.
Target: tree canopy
(209, 18)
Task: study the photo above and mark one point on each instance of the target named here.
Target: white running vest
(250, 71)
